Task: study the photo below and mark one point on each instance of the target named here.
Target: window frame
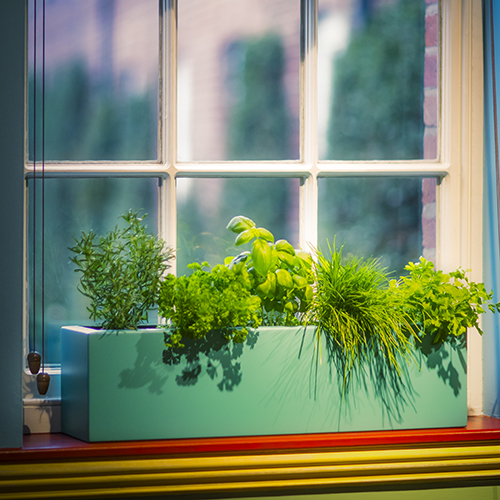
(458, 169)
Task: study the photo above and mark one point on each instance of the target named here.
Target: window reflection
(238, 80)
(389, 218)
(73, 206)
(101, 93)
(205, 206)
(378, 79)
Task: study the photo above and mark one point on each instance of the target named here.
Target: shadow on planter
(372, 376)
(124, 386)
(442, 360)
(210, 355)
(145, 371)
(369, 375)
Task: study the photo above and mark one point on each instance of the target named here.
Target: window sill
(65, 467)
(56, 446)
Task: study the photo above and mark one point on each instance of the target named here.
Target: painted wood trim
(249, 474)
(39, 447)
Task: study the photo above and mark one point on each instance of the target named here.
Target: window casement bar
(308, 193)
(167, 193)
(416, 168)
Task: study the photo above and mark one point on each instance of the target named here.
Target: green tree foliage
(377, 114)
(86, 121)
(258, 128)
(377, 111)
(259, 124)
(373, 217)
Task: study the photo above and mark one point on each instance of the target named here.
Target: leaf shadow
(145, 369)
(213, 355)
(439, 359)
(371, 373)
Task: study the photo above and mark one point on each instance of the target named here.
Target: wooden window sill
(58, 466)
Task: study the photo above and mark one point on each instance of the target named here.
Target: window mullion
(309, 124)
(167, 209)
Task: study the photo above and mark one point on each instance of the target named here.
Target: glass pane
(101, 90)
(378, 79)
(238, 80)
(205, 206)
(73, 206)
(389, 218)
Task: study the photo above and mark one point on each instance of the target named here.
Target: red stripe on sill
(38, 447)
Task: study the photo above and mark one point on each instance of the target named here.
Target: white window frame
(459, 167)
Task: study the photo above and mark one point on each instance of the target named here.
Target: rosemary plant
(121, 272)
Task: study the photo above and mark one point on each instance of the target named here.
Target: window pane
(238, 80)
(73, 206)
(101, 92)
(378, 80)
(389, 218)
(205, 206)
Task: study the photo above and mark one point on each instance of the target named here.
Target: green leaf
(268, 287)
(300, 281)
(244, 237)
(287, 258)
(232, 262)
(304, 259)
(264, 289)
(264, 234)
(240, 223)
(284, 246)
(261, 256)
(284, 278)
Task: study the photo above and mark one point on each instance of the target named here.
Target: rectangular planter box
(127, 386)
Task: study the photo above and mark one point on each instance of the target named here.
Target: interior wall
(12, 30)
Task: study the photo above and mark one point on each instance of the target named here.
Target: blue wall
(491, 251)
(12, 31)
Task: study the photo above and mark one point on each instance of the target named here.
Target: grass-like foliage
(208, 300)
(121, 272)
(356, 306)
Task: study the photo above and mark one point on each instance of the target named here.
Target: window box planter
(123, 386)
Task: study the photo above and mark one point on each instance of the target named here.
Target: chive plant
(357, 307)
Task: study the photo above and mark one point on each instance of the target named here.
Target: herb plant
(274, 271)
(208, 300)
(443, 305)
(356, 308)
(121, 272)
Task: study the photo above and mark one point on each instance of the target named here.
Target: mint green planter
(124, 386)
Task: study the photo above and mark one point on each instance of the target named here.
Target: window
(319, 119)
